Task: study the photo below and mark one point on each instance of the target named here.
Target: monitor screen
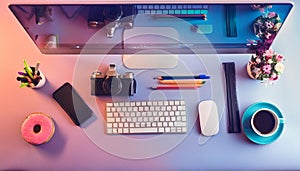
(108, 28)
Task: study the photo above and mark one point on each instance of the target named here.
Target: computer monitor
(185, 27)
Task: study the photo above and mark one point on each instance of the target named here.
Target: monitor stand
(154, 43)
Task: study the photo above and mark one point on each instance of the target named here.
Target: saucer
(248, 131)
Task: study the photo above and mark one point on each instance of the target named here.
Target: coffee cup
(265, 122)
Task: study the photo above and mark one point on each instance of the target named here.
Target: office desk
(72, 148)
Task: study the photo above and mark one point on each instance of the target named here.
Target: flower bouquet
(265, 66)
(266, 26)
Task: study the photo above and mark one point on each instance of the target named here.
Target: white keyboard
(138, 117)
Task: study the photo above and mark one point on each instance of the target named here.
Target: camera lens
(112, 85)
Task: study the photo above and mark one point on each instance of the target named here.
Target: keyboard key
(120, 130)
(197, 7)
(145, 7)
(138, 6)
(183, 11)
(109, 131)
(161, 130)
(190, 11)
(109, 114)
(143, 130)
(125, 130)
(162, 6)
(204, 11)
(179, 123)
(110, 120)
(177, 12)
(166, 103)
(197, 11)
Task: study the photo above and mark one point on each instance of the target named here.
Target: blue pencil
(201, 76)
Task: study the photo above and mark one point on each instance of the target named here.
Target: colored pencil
(166, 87)
(36, 70)
(194, 81)
(201, 76)
(28, 69)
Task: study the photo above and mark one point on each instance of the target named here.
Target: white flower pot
(42, 82)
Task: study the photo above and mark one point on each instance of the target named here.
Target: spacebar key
(143, 130)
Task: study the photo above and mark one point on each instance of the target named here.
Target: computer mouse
(209, 117)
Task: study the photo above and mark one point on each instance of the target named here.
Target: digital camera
(113, 84)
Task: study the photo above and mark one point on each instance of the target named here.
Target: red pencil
(166, 87)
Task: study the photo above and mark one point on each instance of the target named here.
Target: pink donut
(38, 128)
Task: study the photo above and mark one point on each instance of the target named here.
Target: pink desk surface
(72, 148)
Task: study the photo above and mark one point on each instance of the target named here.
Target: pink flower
(269, 53)
(269, 24)
(268, 35)
(267, 69)
(258, 60)
(271, 14)
(274, 77)
(279, 58)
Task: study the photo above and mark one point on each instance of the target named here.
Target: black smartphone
(68, 98)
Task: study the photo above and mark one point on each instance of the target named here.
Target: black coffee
(264, 121)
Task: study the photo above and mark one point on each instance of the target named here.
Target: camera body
(113, 84)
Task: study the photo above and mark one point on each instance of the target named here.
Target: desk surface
(76, 148)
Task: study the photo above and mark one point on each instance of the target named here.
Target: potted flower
(265, 66)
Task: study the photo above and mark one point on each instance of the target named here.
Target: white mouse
(209, 118)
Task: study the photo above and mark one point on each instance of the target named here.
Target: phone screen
(72, 103)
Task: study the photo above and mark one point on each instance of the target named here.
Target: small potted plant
(31, 76)
(265, 66)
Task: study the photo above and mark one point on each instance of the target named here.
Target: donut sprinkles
(37, 128)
